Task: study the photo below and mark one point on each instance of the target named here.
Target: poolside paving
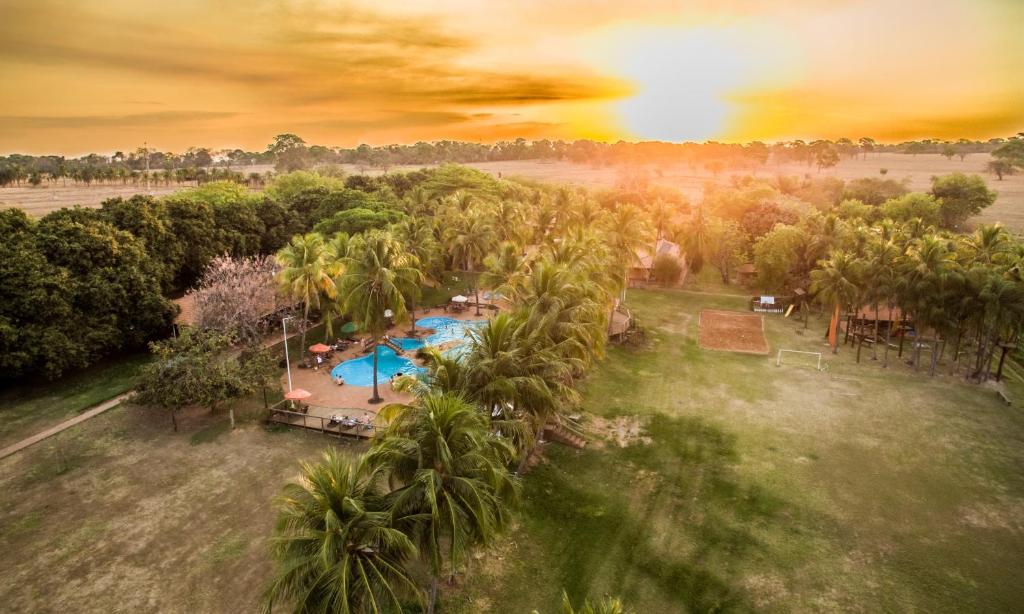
(328, 398)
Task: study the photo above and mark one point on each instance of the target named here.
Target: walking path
(89, 413)
(82, 417)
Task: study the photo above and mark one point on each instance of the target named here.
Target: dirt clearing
(732, 331)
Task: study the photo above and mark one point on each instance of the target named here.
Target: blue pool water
(359, 371)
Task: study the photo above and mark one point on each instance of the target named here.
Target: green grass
(29, 407)
(450, 284)
(767, 488)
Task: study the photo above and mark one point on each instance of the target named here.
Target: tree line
(289, 152)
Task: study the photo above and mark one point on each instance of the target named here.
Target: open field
(714, 481)
(120, 514)
(30, 407)
(742, 486)
(917, 170)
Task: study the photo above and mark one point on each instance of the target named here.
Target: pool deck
(329, 398)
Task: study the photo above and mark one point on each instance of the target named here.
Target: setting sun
(683, 79)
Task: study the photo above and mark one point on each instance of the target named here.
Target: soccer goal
(800, 359)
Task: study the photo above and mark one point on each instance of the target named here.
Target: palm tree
(452, 488)
(305, 275)
(608, 605)
(506, 270)
(379, 275)
(335, 545)
(837, 283)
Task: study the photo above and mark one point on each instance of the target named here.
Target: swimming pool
(359, 371)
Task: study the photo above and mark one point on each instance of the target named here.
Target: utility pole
(287, 364)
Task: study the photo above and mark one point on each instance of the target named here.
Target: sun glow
(687, 79)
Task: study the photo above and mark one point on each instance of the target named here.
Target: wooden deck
(315, 420)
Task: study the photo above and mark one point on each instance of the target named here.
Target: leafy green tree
(960, 196)
(378, 275)
(37, 330)
(336, 546)
(355, 221)
(110, 282)
(608, 605)
(453, 491)
(193, 368)
(776, 254)
(913, 206)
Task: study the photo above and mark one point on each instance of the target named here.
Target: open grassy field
(32, 406)
(917, 170)
(713, 481)
(120, 514)
(721, 482)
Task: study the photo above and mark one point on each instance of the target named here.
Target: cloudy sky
(102, 75)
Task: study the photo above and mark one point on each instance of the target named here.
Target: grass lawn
(120, 514)
(28, 408)
(754, 487)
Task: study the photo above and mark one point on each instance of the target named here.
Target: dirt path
(82, 417)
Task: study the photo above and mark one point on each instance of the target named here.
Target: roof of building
(662, 246)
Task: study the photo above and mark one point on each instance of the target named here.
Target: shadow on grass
(659, 525)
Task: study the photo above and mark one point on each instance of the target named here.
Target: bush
(667, 269)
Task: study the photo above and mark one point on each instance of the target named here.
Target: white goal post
(778, 359)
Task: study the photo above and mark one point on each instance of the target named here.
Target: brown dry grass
(732, 331)
(121, 514)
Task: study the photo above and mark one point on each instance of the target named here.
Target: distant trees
(1001, 168)
(289, 152)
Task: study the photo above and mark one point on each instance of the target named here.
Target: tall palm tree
(305, 275)
(452, 488)
(335, 545)
(506, 270)
(837, 284)
(379, 275)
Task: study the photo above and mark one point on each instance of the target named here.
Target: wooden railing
(280, 415)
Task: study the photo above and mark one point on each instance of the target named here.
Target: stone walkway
(82, 417)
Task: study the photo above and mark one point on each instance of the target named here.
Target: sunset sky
(104, 75)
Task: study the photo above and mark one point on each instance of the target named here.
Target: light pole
(287, 364)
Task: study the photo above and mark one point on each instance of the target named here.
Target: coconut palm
(452, 488)
(305, 275)
(608, 605)
(470, 239)
(335, 545)
(379, 275)
(837, 284)
(506, 270)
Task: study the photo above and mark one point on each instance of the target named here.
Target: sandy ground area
(732, 331)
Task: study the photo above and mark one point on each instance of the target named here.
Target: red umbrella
(319, 348)
(298, 394)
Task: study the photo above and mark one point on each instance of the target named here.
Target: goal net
(798, 358)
